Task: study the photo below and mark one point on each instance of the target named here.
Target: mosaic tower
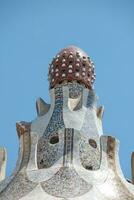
(63, 153)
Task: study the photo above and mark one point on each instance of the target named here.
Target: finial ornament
(72, 64)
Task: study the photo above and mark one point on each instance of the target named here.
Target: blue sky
(32, 32)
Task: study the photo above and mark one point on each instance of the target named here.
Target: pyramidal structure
(63, 153)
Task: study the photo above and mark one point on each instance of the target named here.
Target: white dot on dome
(57, 60)
(88, 79)
(71, 56)
(52, 70)
(76, 74)
(70, 66)
(93, 76)
(63, 65)
(56, 69)
(70, 71)
(56, 74)
(77, 64)
(84, 69)
(83, 74)
(63, 75)
(63, 60)
(53, 80)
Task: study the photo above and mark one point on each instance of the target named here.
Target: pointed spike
(132, 166)
(3, 159)
(100, 112)
(42, 107)
(22, 127)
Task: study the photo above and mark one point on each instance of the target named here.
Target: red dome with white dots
(72, 64)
